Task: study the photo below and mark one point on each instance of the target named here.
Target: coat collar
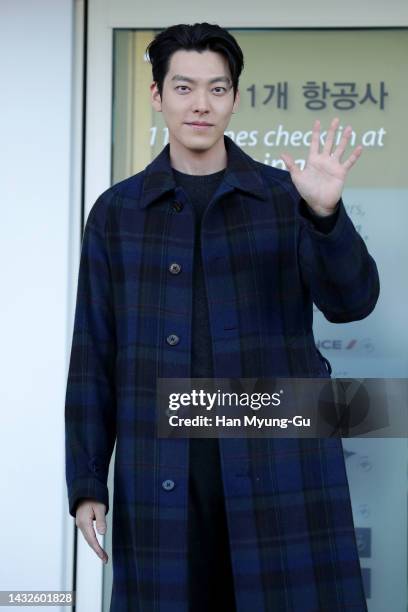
(241, 173)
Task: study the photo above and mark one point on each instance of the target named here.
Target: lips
(200, 124)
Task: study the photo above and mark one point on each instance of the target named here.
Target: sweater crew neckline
(200, 178)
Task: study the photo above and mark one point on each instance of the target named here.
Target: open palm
(321, 182)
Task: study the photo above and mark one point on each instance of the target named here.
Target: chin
(198, 144)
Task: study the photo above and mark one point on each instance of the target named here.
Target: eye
(185, 87)
(223, 88)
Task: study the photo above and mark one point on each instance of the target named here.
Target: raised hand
(322, 180)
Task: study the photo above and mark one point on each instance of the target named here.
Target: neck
(198, 162)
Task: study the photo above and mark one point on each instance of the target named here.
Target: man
(206, 264)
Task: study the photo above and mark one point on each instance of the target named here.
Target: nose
(200, 102)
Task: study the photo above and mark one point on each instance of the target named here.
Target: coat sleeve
(337, 268)
(90, 407)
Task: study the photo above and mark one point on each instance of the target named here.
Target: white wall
(36, 40)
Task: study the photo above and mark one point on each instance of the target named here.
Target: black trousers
(211, 585)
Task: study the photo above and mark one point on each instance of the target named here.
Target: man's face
(196, 88)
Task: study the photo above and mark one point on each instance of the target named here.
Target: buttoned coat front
(290, 523)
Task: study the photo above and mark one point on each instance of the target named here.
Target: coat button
(177, 206)
(172, 339)
(168, 485)
(174, 268)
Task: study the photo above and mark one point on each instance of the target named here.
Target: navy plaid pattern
(293, 546)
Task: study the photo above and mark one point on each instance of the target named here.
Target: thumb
(289, 162)
(100, 521)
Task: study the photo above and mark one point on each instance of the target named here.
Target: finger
(89, 533)
(353, 157)
(343, 143)
(327, 147)
(86, 526)
(289, 162)
(314, 145)
(100, 521)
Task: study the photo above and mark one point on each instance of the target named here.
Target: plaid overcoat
(290, 523)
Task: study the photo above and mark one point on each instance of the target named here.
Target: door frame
(100, 18)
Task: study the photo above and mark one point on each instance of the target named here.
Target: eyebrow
(179, 77)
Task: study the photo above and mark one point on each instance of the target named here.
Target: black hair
(197, 37)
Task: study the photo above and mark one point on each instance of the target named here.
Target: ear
(155, 97)
(236, 102)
